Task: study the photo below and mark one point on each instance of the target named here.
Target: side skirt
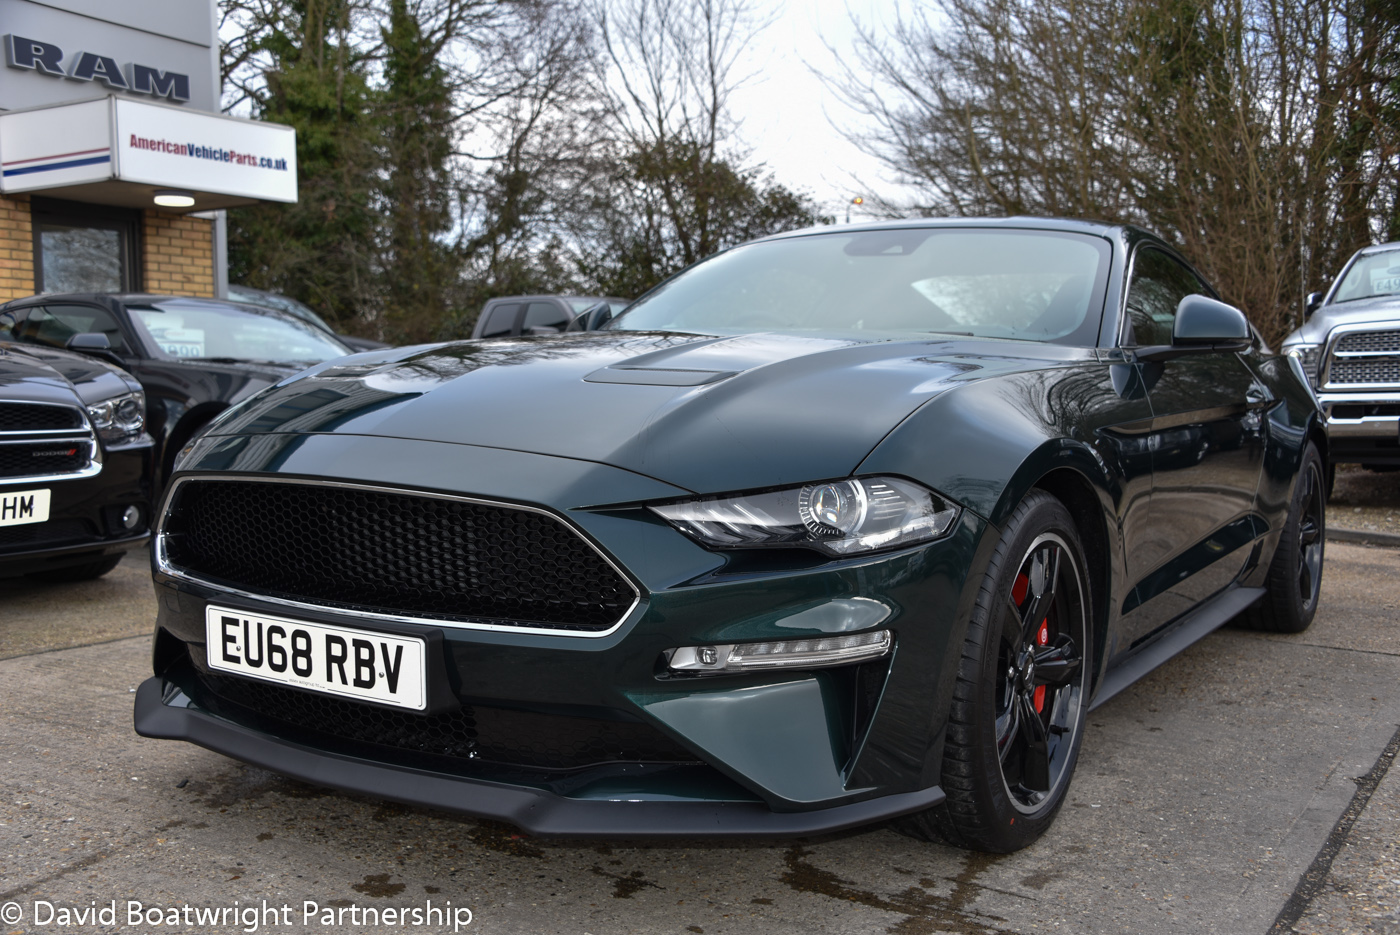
(1192, 628)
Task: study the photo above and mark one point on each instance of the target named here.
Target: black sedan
(74, 465)
(833, 527)
(194, 357)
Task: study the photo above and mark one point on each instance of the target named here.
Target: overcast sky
(791, 120)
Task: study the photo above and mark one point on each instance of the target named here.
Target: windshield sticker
(1385, 281)
(180, 342)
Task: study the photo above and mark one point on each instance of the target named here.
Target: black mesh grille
(478, 734)
(29, 417)
(44, 535)
(394, 553)
(30, 459)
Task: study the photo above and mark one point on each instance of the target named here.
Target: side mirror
(94, 344)
(1312, 303)
(1202, 325)
(592, 318)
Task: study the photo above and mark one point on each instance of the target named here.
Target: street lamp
(857, 200)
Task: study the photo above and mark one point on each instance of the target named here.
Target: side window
(500, 320)
(1159, 283)
(10, 322)
(544, 314)
(53, 325)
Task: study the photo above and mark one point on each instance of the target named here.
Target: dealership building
(116, 164)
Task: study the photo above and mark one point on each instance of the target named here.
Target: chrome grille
(39, 441)
(1368, 358)
(1369, 342)
(1365, 371)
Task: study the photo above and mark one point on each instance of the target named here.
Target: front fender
(986, 445)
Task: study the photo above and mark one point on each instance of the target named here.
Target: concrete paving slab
(36, 616)
(1204, 793)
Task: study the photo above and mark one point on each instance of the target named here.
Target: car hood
(45, 375)
(707, 414)
(1380, 309)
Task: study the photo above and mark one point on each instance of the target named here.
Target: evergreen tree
(419, 267)
(321, 249)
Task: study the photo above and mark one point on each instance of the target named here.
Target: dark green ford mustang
(835, 527)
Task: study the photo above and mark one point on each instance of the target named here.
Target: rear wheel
(1295, 574)
(1017, 717)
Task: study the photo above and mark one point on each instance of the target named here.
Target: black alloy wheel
(1040, 685)
(1022, 692)
(1294, 579)
(1311, 532)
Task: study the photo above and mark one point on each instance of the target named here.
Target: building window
(84, 248)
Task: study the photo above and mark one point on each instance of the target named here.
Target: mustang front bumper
(785, 752)
(533, 810)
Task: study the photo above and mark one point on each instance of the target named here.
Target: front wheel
(1022, 690)
(1294, 580)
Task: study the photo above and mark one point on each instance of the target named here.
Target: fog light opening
(776, 654)
(131, 517)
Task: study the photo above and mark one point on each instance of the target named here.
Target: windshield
(248, 332)
(1031, 285)
(1370, 275)
(282, 302)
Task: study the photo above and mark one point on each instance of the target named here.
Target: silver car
(1349, 347)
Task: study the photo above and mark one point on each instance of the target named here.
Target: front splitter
(532, 810)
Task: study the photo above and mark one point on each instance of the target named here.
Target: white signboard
(149, 144)
(185, 149)
(66, 145)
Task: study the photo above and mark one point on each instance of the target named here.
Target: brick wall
(16, 249)
(177, 254)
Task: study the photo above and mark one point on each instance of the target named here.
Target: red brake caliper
(1042, 636)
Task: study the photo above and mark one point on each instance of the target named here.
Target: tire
(1019, 702)
(84, 572)
(1294, 579)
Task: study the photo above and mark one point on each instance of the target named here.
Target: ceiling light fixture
(174, 198)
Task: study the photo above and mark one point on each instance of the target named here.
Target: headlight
(120, 418)
(1307, 356)
(840, 517)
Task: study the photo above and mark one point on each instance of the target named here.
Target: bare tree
(1250, 132)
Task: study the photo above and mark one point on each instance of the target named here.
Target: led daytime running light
(777, 654)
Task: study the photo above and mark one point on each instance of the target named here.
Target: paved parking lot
(1205, 794)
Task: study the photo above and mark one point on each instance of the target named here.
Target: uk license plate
(352, 663)
(24, 506)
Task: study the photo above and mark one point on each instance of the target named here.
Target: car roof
(132, 298)
(1379, 248)
(543, 295)
(1017, 222)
